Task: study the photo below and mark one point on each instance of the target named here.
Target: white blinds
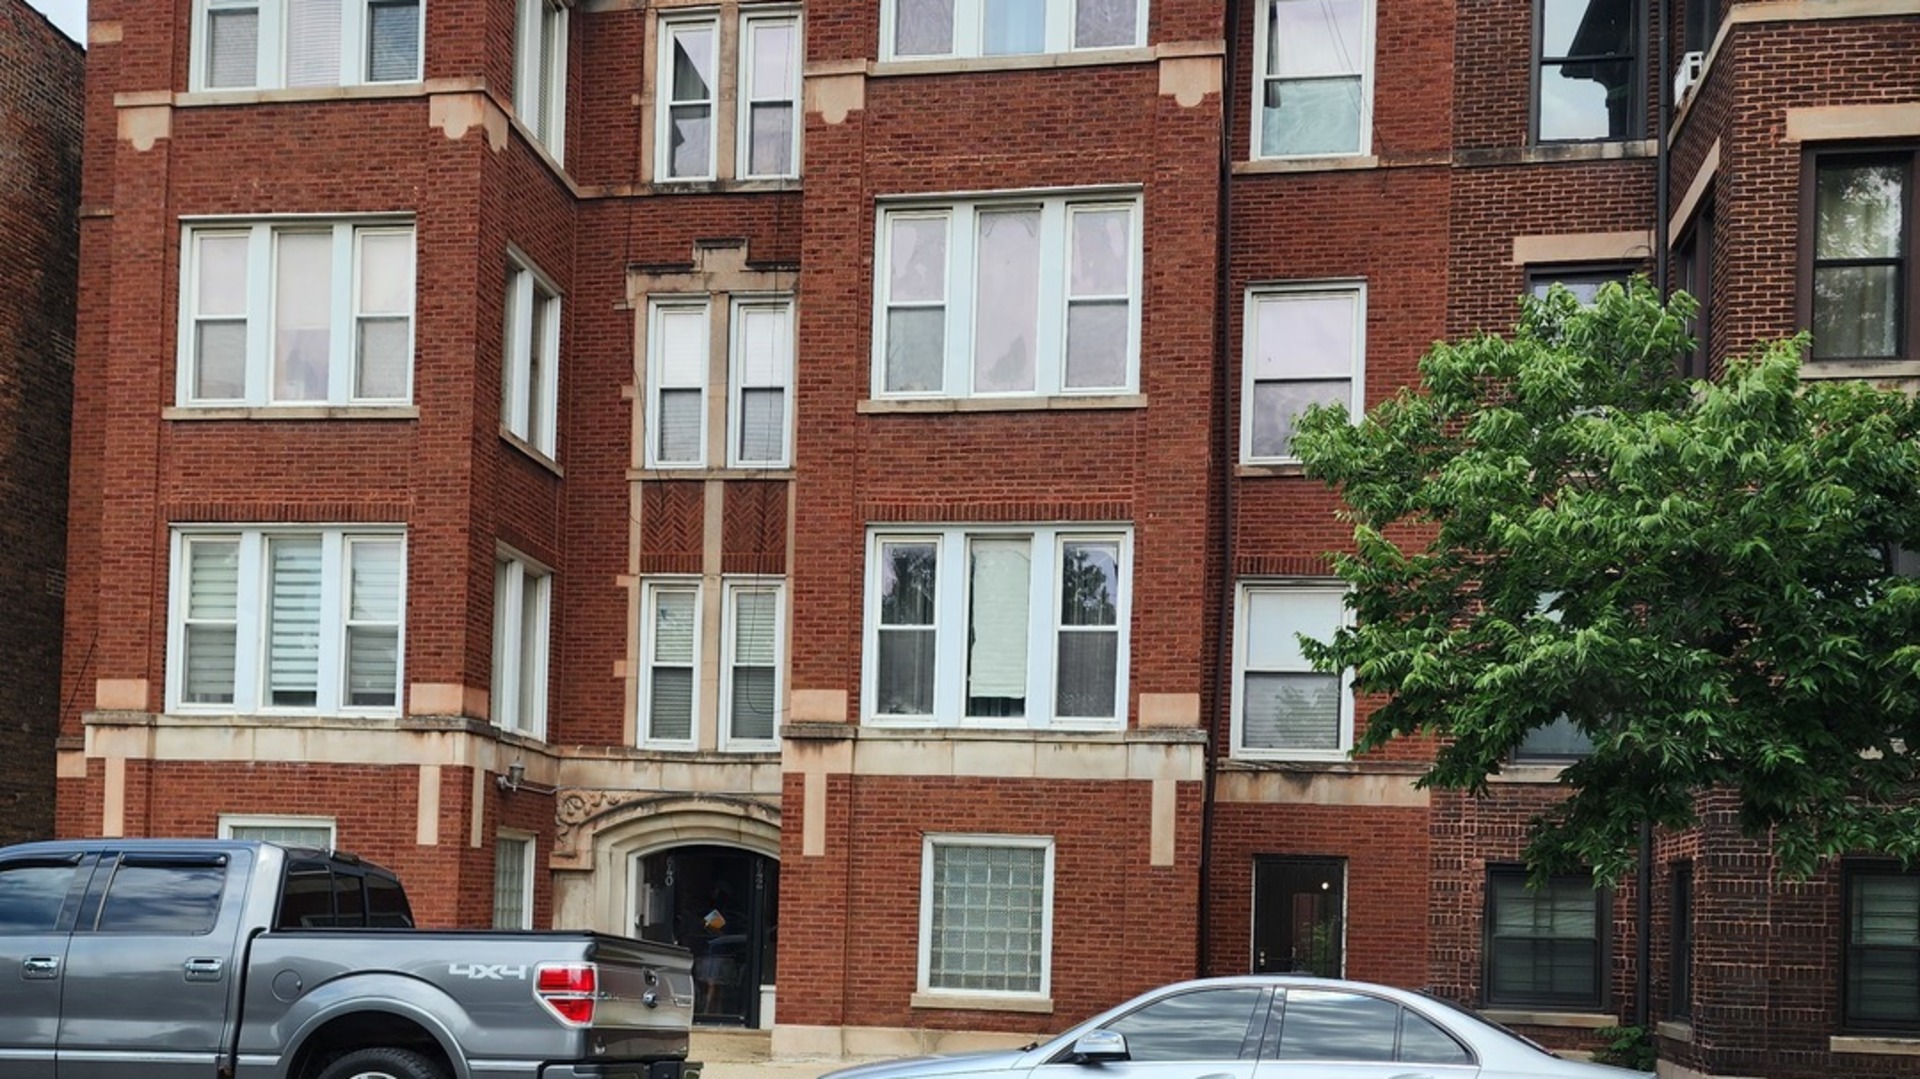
(999, 615)
(393, 40)
(1285, 704)
(755, 635)
(373, 626)
(670, 705)
(233, 45)
(313, 42)
(293, 650)
(764, 353)
(385, 308)
(213, 585)
(679, 373)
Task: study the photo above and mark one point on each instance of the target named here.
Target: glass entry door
(722, 904)
(1299, 915)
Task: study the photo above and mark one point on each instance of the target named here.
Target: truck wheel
(382, 1063)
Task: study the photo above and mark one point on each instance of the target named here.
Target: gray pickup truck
(217, 959)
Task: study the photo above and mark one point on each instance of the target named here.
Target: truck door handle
(40, 967)
(203, 969)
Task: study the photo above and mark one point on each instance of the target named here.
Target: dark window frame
(1680, 941)
(1600, 998)
(1851, 872)
(1540, 275)
(1538, 61)
(1693, 274)
(1907, 330)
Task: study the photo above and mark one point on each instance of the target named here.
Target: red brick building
(707, 469)
(41, 77)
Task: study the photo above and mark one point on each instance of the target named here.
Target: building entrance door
(1299, 916)
(722, 904)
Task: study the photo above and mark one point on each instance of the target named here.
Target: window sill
(657, 473)
(966, 65)
(1874, 1046)
(1529, 773)
(1252, 471)
(873, 406)
(360, 91)
(1327, 163)
(982, 1003)
(293, 412)
(716, 186)
(1273, 757)
(1819, 370)
(1572, 1020)
(1551, 153)
(1677, 1030)
(538, 456)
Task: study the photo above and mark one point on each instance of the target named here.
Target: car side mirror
(1100, 1047)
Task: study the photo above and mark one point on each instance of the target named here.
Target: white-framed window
(1282, 707)
(269, 44)
(760, 384)
(295, 313)
(769, 121)
(286, 620)
(522, 634)
(1305, 345)
(986, 915)
(998, 627)
(540, 72)
(1313, 96)
(678, 335)
(1016, 296)
(670, 632)
(688, 97)
(752, 653)
(316, 832)
(925, 29)
(530, 377)
(513, 881)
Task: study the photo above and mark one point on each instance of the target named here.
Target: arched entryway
(722, 904)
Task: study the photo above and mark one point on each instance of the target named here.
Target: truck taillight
(569, 990)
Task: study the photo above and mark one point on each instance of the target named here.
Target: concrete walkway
(744, 1054)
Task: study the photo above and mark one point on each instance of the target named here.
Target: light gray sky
(68, 15)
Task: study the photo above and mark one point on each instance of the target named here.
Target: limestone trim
(603, 833)
(294, 412)
(1090, 402)
(1836, 122)
(982, 1003)
(1176, 754)
(1327, 785)
(1568, 247)
(1675, 1030)
(1697, 189)
(1905, 1047)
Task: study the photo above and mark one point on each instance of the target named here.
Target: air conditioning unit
(1688, 73)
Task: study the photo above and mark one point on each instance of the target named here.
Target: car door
(38, 897)
(1205, 1033)
(151, 968)
(1342, 1034)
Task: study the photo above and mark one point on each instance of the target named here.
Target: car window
(162, 897)
(1423, 1042)
(387, 904)
(306, 899)
(1207, 1024)
(349, 900)
(1320, 1024)
(31, 896)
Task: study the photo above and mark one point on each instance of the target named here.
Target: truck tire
(382, 1063)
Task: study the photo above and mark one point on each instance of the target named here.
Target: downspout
(1224, 458)
(1662, 274)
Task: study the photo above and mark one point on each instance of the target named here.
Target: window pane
(171, 899)
(1886, 911)
(1007, 301)
(690, 140)
(693, 63)
(1102, 253)
(1320, 1025)
(233, 40)
(382, 348)
(1587, 100)
(674, 627)
(764, 345)
(753, 703)
(220, 361)
(313, 42)
(1883, 986)
(1014, 26)
(988, 917)
(510, 874)
(376, 581)
(1097, 345)
(31, 897)
(1587, 28)
(682, 349)
(1291, 711)
(1313, 116)
(916, 349)
(302, 310)
(386, 273)
(923, 27)
(393, 41)
(917, 260)
(755, 636)
(1558, 740)
(373, 666)
(1305, 336)
(1545, 944)
(1089, 674)
(213, 584)
(998, 613)
(680, 436)
(770, 147)
(1100, 24)
(1316, 37)
(293, 668)
(1089, 584)
(532, 655)
(1277, 617)
(763, 426)
(209, 665)
(1860, 212)
(671, 709)
(1421, 1042)
(905, 668)
(1276, 405)
(1210, 1025)
(907, 583)
(773, 55)
(1856, 311)
(222, 287)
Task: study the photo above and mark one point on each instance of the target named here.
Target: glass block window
(513, 883)
(985, 914)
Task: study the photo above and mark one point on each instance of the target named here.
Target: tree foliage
(1698, 576)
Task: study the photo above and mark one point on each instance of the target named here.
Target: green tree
(1701, 577)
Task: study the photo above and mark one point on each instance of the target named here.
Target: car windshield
(1492, 1024)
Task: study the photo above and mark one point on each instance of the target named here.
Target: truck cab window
(162, 897)
(387, 904)
(306, 900)
(31, 896)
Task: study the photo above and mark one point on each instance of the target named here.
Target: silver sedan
(1265, 1027)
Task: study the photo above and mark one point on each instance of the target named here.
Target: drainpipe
(1224, 452)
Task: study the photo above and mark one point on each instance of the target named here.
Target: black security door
(1299, 912)
(720, 903)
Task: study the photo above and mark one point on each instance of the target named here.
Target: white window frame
(531, 846)
(1242, 633)
(1260, 79)
(1050, 351)
(731, 589)
(743, 121)
(527, 290)
(540, 71)
(650, 590)
(933, 840)
(737, 387)
(271, 40)
(251, 633)
(670, 30)
(511, 573)
(232, 822)
(969, 24)
(343, 338)
(951, 619)
(656, 367)
(1250, 348)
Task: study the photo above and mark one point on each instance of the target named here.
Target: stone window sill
(1003, 404)
(1675, 1030)
(1903, 1047)
(983, 1003)
(295, 412)
(1573, 1020)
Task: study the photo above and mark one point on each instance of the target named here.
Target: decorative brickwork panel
(755, 537)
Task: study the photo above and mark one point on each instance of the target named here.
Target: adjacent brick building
(698, 469)
(41, 77)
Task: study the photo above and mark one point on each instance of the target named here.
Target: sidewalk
(744, 1054)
